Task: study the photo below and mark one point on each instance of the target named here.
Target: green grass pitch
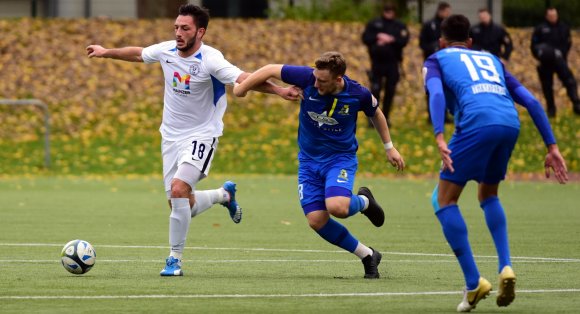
(272, 261)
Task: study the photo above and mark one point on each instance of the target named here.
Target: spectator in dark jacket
(551, 42)
(431, 30)
(491, 37)
(385, 38)
(429, 38)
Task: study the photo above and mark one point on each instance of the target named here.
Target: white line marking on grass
(226, 261)
(552, 259)
(248, 296)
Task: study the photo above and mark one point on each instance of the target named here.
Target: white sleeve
(152, 53)
(222, 69)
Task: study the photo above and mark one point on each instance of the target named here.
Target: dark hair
(550, 9)
(455, 28)
(483, 10)
(389, 6)
(332, 61)
(442, 6)
(200, 15)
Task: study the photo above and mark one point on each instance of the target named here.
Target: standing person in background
(491, 37)
(429, 37)
(551, 42)
(431, 30)
(385, 38)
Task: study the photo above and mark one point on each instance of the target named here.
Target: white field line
(552, 259)
(227, 261)
(248, 296)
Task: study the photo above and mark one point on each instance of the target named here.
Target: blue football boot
(232, 206)
(172, 267)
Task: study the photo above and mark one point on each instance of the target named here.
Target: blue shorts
(481, 155)
(318, 181)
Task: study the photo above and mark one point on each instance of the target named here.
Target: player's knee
(180, 189)
(316, 223)
(317, 219)
(337, 208)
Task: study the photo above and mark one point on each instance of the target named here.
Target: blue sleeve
(368, 105)
(523, 97)
(300, 76)
(434, 90)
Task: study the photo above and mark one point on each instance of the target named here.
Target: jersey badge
(342, 177)
(344, 111)
(194, 69)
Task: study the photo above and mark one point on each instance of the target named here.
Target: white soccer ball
(78, 257)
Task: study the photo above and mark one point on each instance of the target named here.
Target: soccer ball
(78, 257)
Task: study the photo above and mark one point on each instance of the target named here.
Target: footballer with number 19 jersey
(476, 88)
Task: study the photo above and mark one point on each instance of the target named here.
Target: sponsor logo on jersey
(322, 118)
(181, 83)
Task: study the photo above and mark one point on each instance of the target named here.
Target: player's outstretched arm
(288, 93)
(554, 160)
(380, 123)
(257, 80)
(132, 54)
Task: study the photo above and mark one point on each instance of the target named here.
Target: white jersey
(195, 94)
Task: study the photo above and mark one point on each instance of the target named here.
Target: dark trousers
(546, 73)
(387, 74)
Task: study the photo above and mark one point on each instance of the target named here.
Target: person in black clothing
(429, 38)
(491, 37)
(551, 42)
(385, 38)
(431, 30)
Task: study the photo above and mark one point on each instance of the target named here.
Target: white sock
(366, 200)
(362, 251)
(179, 221)
(205, 199)
(176, 255)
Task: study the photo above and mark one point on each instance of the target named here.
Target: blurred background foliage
(105, 113)
(520, 13)
(333, 10)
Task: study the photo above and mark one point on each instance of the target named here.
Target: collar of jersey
(196, 56)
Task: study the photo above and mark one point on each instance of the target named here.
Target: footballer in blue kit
(475, 87)
(327, 158)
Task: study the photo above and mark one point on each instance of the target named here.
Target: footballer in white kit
(193, 106)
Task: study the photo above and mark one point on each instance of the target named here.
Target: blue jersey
(474, 87)
(327, 123)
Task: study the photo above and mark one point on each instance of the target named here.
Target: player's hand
(291, 93)
(238, 90)
(445, 153)
(96, 51)
(555, 161)
(396, 159)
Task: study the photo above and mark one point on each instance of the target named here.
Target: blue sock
(455, 232)
(497, 225)
(356, 205)
(338, 235)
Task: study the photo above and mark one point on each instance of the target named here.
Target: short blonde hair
(332, 61)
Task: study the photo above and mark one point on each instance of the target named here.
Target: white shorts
(198, 152)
